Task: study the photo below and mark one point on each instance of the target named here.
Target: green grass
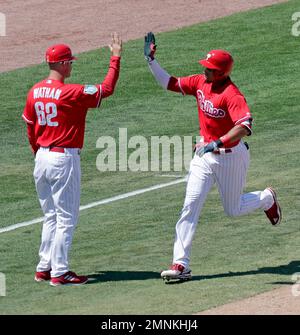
(124, 245)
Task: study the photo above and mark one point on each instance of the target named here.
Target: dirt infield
(33, 25)
(276, 302)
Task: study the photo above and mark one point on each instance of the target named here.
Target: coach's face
(67, 66)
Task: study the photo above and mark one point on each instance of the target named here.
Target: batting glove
(210, 147)
(149, 47)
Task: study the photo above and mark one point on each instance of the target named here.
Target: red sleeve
(90, 96)
(109, 83)
(31, 137)
(240, 112)
(173, 85)
(185, 85)
(29, 114)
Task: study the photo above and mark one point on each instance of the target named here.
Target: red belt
(224, 151)
(57, 149)
(228, 150)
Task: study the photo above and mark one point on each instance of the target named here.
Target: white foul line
(98, 203)
(168, 175)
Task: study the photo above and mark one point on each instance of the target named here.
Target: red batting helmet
(218, 60)
(59, 53)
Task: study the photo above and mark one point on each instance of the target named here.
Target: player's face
(213, 75)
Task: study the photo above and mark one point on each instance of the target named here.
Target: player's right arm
(31, 138)
(29, 117)
(184, 85)
(109, 83)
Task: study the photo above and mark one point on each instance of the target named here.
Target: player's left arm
(239, 112)
(235, 134)
(241, 116)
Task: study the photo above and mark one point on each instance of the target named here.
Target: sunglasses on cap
(67, 62)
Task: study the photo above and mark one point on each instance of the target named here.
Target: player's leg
(65, 177)
(49, 226)
(231, 172)
(199, 183)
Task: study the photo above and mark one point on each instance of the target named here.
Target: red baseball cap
(59, 53)
(218, 60)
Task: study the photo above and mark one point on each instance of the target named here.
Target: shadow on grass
(288, 269)
(104, 276)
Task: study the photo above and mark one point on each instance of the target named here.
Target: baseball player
(222, 157)
(55, 114)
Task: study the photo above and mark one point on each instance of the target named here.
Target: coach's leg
(45, 198)
(199, 183)
(231, 172)
(66, 194)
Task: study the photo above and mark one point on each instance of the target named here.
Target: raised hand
(149, 47)
(116, 45)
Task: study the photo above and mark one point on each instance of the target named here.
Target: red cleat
(42, 276)
(69, 278)
(177, 271)
(274, 213)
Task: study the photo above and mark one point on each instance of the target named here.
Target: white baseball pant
(57, 179)
(229, 172)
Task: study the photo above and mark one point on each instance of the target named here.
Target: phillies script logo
(207, 106)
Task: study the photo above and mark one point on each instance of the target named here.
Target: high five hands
(116, 45)
(149, 47)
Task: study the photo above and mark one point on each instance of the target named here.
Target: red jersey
(55, 112)
(220, 108)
